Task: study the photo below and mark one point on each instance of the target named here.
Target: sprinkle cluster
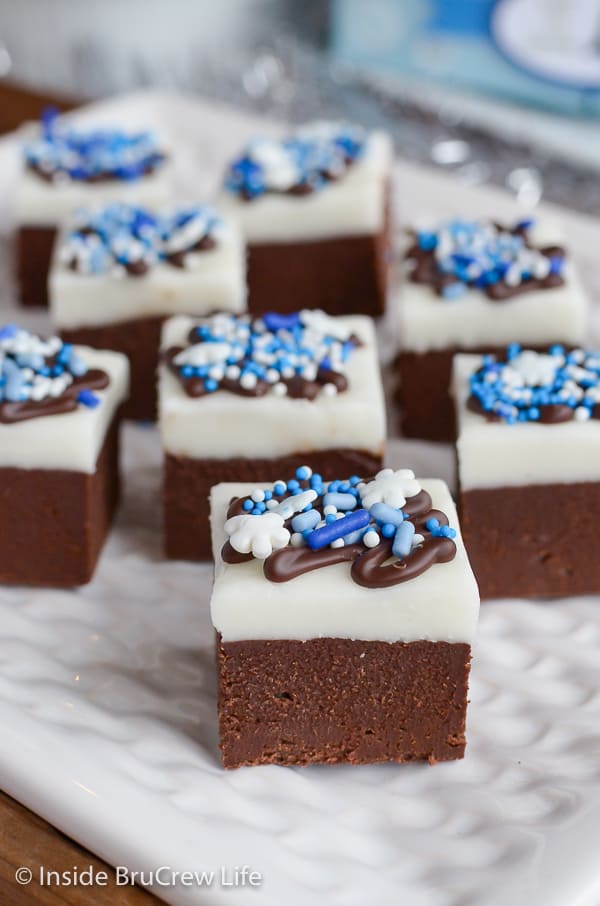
(64, 153)
(264, 354)
(122, 238)
(350, 511)
(481, 254)
(35, 369)
(522, 388)
(304, 162)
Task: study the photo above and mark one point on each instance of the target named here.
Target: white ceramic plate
(108, 714)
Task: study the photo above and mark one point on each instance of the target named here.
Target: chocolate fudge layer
(34, 245)
(532, 541)
(53, 522)
(187, 485)
(346, 275)
(139, 340)
(324, 701)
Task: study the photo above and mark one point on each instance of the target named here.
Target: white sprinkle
(329, 390)
(257, 496)
(279, 389)
(582, 414)
(297, 539)
(248, 380)
(339, 542)
(329, 510)
(371, 538)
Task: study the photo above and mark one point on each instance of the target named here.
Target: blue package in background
(541, 53)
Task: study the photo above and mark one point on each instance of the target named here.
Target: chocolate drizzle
(426, 270)
(11, 412)
(297, 387)
(375, 567)
(101, 176)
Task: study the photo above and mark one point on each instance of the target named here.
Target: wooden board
(28, 841)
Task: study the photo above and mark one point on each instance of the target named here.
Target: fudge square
(315, 212)
(59, 449)
(65, 168)
(529, 470)
(344, 613)
(475, 286)
(120, 271)
(242, 398)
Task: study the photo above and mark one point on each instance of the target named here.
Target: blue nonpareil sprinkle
(89, 399)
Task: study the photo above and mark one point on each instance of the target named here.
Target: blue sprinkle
(339, 500)
(89, 399)
(426, 240)
(8, 332)
(388, 530)
(305, 521)
(383, 513)
(248, 505)
(293, 485)
(403, 539)
(453, 290)
(303, 473)
(330, 517)
(279, 488)
(274, 321)
(323, 536)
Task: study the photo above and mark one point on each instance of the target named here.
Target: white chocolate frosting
(70, 440)
(497, 454)
(223, 424)
(352, 206)
(536, 317)
(441, 604)
(48, 204)
(213, 279)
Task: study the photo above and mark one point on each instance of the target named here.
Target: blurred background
(499, 91)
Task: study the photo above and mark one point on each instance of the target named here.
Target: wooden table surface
(25, 839)
(28, 841)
